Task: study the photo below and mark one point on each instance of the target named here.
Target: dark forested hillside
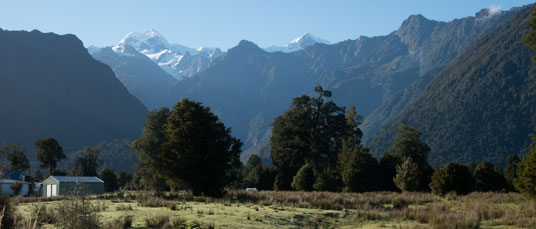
(434, 44)
(51, 87)
(481, 106)
(248, 87)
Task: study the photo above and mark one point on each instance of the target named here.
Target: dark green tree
(16, 187)
(16, 157)
(530, 38)
(329, 179)
(387, 171)
(49, 153)
(124, 179)
(38, 176)
(147, 148)
(304, 179)
(454, 177)
(359, 170)
(409, 145)
(199, 151)
(526, 173)
(59, 172)
(261, 177)
(251, 171)
(266, 178)
(110, 180)
(87, 163)
(510, 172)
(488, 178)
(408, 176)
(310, 131)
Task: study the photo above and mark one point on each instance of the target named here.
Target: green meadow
(273, 209)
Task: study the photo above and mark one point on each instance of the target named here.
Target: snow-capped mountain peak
(308, 39)
(301, 42)
(168, 56)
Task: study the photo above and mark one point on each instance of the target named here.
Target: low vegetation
(281, 209)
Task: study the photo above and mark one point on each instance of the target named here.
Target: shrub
(7, 217)
(172, 206)
(407, 176)
(526, 173)
(127, 207)
(157, 221)
(77, 212)
(358, 169)
(43, 214)
(304, 179)
(400, 203)
(178, 222)
(510, 172)
(452, 178)
(110, 179)
(16, 187)
(123, 222)
(488, 178)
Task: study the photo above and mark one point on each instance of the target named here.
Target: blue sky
(224, 23)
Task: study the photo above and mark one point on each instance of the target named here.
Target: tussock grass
(269, 209)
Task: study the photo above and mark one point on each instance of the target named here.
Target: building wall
(70, 188)
(5, 188)
(81, 188)
(47, 181)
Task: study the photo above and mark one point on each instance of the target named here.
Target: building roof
(76, 179)
(10, 181)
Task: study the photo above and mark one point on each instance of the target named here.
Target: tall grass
(424, 209)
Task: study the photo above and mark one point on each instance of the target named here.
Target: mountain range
(150, 82)
(467, 84)
(301, 42)
(141, 76)
(177, 60)
(479, 107)
(248, 86)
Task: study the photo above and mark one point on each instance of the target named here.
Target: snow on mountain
(169, 56)
(299, 43)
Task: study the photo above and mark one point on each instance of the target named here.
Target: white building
(10, 177)
(5, 187)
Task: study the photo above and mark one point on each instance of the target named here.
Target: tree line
(50, 153)
(316, 146)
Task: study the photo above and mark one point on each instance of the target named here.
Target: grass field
(301, 210)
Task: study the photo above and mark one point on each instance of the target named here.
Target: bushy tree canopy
(510, 172)
(110, 180)
(526, 173)
(454, 177)
(87, 162)
(253, 163)
(16, 157)
(147, 148)
(408, 145)
(49, 153)
(488, 178)
(199, 150)
(310, 131)
(408, 176)
(359, 170)
(304, 179)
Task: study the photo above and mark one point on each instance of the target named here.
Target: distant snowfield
(183, 62)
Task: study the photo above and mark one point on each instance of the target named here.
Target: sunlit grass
(312, 210)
